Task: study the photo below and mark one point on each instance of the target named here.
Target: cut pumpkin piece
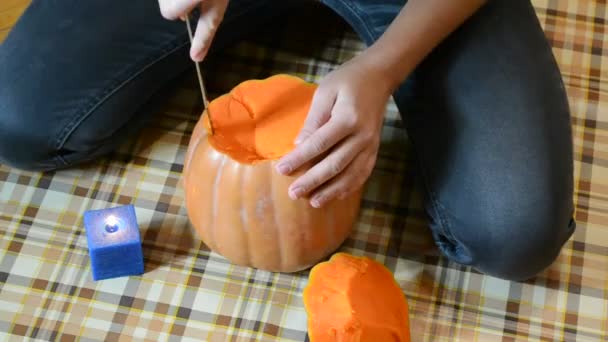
(356, 299)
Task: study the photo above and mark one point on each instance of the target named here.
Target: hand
(211, 15)
(342, 129)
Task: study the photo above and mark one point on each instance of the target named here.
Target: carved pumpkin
(236, 201)
(351, 298)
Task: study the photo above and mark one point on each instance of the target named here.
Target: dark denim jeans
(486, 111)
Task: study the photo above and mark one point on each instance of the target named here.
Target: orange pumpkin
(237, 202)
(351, 298)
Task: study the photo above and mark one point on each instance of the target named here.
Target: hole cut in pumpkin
(259, 120)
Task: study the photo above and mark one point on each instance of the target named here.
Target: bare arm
(420, 26)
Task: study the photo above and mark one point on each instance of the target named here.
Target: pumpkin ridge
(211, 238)
(216, 183)
(331, 232)
(243, 213)
(274, 216)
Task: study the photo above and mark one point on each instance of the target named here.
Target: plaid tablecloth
(46, 289)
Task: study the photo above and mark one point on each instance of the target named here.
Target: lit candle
(114, 242)
(111, 224)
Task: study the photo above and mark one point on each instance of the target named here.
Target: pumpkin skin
(350, 298)
(239, 205)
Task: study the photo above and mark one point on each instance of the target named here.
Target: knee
(25, 140)
(513, 243)
(523, 247)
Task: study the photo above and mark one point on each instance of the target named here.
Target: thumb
(212, 14)
(318, 114)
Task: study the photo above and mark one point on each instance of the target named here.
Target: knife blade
(200, 79)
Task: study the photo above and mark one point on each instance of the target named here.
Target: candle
(114, 242)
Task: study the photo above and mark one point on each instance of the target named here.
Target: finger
(212, 14)
(174, 9)
(349, 180)
(320, 141)
(318, 114)
(325, 170)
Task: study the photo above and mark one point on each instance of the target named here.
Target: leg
(489, 119)
(76, 76)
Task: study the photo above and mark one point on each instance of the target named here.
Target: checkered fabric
(189, 293)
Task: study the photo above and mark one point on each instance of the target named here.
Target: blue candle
(114, 242)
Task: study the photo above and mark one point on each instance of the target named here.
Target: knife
(200, 78)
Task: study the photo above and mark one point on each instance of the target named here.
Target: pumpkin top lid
(259, 119)
(351, 298)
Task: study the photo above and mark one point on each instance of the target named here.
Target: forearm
(416, 31)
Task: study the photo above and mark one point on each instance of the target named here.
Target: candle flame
(111, 221)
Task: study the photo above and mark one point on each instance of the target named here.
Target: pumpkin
(350, 298)
(237, 202)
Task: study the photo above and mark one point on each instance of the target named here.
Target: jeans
(486, 111)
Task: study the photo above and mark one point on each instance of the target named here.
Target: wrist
(390, 70)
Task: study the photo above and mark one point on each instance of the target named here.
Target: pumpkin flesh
(259, 119)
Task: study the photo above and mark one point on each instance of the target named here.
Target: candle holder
(114, 242)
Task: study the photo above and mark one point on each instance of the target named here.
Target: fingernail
(282, 168)
(316, 202)
(199, 55)
(295, 193)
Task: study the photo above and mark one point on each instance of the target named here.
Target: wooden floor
(10, 10)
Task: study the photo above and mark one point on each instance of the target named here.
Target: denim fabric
(87, 73)
(486, 111)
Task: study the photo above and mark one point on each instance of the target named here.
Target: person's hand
(211, 15)
(342, 129)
